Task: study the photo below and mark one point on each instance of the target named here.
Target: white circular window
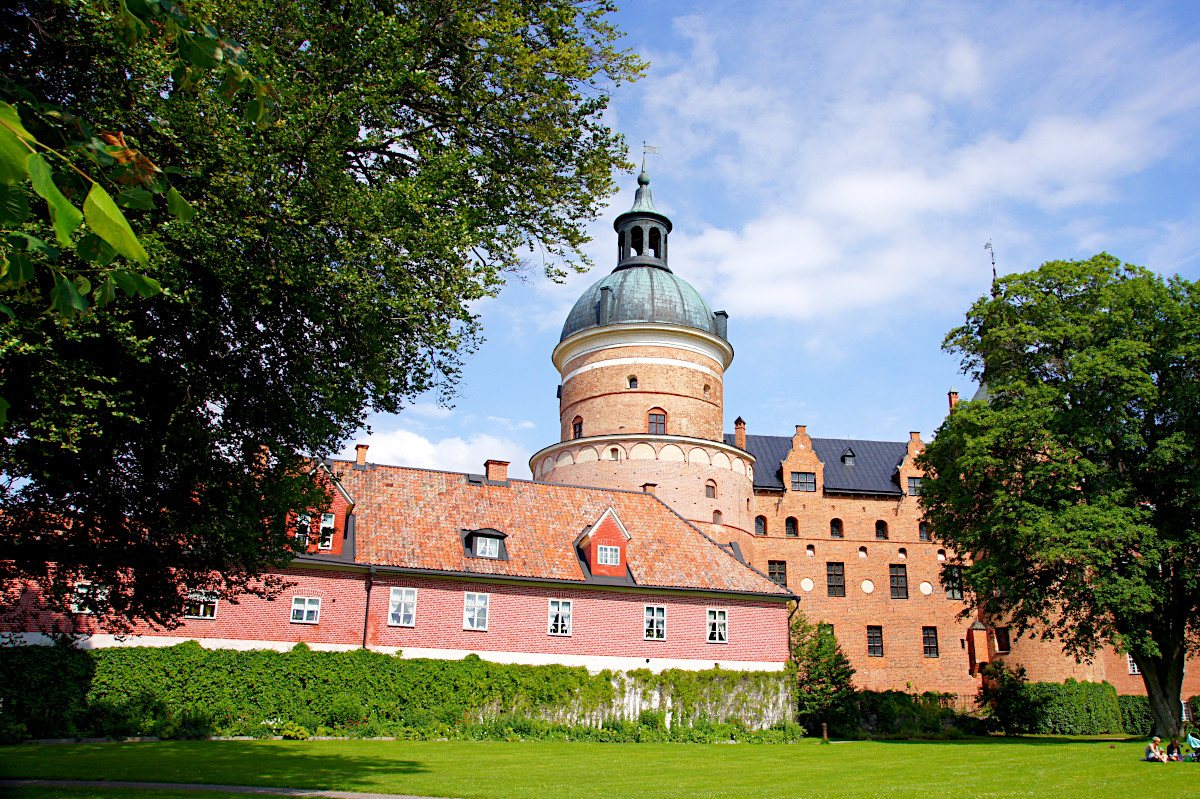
(868, 586)
(806, 584)
(926, 589)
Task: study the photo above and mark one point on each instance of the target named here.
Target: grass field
(992, 768)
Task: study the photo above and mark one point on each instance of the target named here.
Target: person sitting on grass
(1154, 754)
(1174, 752)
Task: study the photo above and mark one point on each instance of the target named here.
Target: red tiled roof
(413, 518)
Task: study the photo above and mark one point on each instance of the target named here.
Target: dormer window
(485, 542)
(848, 457)
(327, 528)
(608, 556)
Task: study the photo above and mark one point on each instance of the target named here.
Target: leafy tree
(824, 691)
(415, 154)
(1074, 488)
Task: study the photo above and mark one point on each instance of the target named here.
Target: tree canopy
(414, 155)
(1072, 490)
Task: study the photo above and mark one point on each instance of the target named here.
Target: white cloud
(505, 422)
(400, 447)
(429, 410)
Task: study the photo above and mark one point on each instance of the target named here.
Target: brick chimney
(497, 471)
(915, 444)
(739, 433)
(360, 453)
(648, 488)
(952, 395)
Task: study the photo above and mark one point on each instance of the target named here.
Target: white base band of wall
(593, 663)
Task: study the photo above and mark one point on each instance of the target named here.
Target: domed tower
(642, 359)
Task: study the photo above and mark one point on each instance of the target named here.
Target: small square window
(898, 574)
(487, 547)
(929, 641)
(718, 626)
(402, 607)
(200, 605)
(835, 576)
(560, 617)
(656, 623)
(914, 486)
(608, 556)
(874, 641)
(804, 481)
(777, 572)
(1133, 667)
(306, 610)
(475, 612)
(923, 532)
(328, 525)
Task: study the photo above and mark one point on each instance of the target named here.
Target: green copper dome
(641, 294)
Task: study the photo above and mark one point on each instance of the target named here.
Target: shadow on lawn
(1017, 740)
(259, 763)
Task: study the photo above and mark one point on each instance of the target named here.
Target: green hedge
(1014, 705)
(1135, 715)
(188, 691)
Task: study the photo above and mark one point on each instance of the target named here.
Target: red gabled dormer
(603, 546)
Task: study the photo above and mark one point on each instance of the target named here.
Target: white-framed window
(718, 626)
(656, 623)
(85, 597)
(560, 617)
(487, 547)
(608, 556)
(327, 528)
(402, 608)
(303, 528)
(200, 605)
(306, 609)
(1133, 667)
(475, 611)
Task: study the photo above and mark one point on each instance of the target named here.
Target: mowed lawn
(993, 768)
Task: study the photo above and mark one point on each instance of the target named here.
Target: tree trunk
(1163, 677)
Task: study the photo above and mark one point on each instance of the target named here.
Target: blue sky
(833, 172)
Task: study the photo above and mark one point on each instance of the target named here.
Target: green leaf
(109, 223)
(65, 216)
(179, 207)
(95, 250)
(133, 283)
(12, 120)
(23, 241)
(65, 300)
(14, 204)
(106, 293)
(12, 158)
(136, 197)
(20, 269)
(4, 309)
(82, 284)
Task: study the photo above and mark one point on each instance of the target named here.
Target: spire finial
(644, 178)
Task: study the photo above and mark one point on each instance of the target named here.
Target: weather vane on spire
(647, 150)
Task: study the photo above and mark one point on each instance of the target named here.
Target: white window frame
(328, 527)
(398, 598)
(655, 620)
(486, 546)
(309, 606)
(562, 610)
(200, 599)
(81, 592)
(613, 555)
(1133, 667)
(304, 528)
(473, 602)
(717, 625)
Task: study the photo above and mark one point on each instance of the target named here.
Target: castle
(648, 538)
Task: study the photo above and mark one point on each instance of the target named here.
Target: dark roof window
(486, 542)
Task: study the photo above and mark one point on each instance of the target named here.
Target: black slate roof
(873, 472)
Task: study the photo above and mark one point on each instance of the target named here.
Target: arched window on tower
(637, 243)
(622, 249)
(716, 517)
(655, 242)
(657, 421)
(790, 527)
(760, 525)
(835, 528)
(577, 427)
(631, 381)
(710, 489)
(881, 530)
